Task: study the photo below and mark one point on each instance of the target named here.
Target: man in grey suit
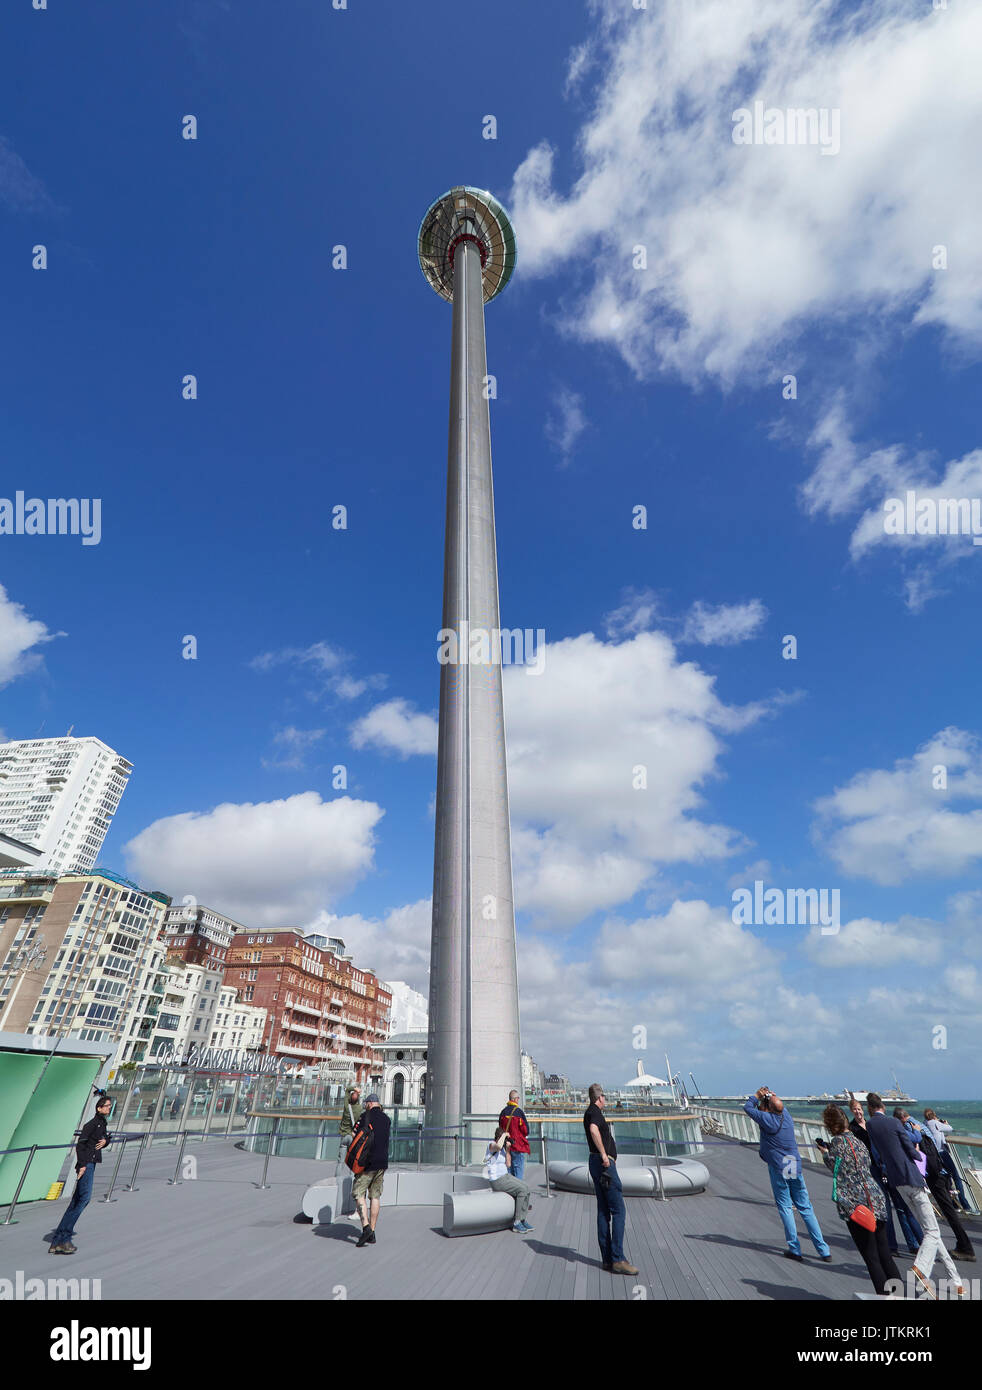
(898, 1152)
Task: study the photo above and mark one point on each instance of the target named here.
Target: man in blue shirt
(779, 1151)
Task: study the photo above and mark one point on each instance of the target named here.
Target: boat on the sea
(895, 1096)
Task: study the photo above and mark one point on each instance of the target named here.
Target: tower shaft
(474, 1052)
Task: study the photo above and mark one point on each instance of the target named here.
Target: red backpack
(359, 1150)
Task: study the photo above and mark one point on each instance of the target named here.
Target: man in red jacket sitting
(515, 1124)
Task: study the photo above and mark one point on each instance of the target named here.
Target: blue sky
(616, 387)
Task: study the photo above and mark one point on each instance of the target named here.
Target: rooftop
(218, 1237)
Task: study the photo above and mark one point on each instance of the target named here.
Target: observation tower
(467, 254)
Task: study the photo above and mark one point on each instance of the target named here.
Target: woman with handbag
(858, 1198)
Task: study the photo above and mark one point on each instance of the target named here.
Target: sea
(965, 1116)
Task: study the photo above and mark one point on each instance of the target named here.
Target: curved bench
(638, 1179)
(326, 1200)
(477, 1213)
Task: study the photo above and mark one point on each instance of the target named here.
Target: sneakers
(957, 1254)
(826, 1258)
(365, 1238)
(371, 1237)
(790, 1255)
(57, 1248)
(622, 1267)
(524, 1227)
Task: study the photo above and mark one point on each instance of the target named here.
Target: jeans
(515, 1189)
(932, 1246)
(793, 1190)
(80, 1200)
(341, 1166)
(610, 1211)
(518, 1165)
(872, 1245)
(909, 1224)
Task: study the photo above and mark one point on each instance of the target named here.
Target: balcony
(295, 1051)
(305, 1009)
(301, 1028)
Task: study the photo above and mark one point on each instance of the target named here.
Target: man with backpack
(515, 1124)
(368, 1158)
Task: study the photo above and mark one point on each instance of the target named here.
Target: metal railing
(737, 1124)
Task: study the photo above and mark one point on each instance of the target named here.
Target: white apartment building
(188, 1008)
(410, 1010)
(198, 934)
(531, 1075)
(57, 799)
(77, 955)
(238, 1026)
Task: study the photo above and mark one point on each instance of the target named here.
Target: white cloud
(725, 624)
(893, 825)
(867, 944)
(19, 634)
(638, 612)
(328, 665)
(20, 190)
(848, 480)
(396, 946)
(963, 982)
(584, 837)
(396, 727)
(272, 863)
(293, 745)
(691, 946)
(747, 245)
(566, 422)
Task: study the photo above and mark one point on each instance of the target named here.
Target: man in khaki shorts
(367, 1187)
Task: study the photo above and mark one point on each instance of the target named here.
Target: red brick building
(319, 1004)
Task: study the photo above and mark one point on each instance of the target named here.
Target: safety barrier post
(131, 1185)
(662, 1195)
(112, 1182)
(30, 1159)
(269, 1149)
(233, 1106)
(175, 1180)
(545, 1162)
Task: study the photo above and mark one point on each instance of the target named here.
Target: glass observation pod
(466, 211)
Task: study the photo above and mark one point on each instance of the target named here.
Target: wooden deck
(217, 1237)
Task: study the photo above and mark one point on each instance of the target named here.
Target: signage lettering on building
(217, 1059)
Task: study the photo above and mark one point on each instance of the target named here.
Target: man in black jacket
(93, 1138)
(367, 1186)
